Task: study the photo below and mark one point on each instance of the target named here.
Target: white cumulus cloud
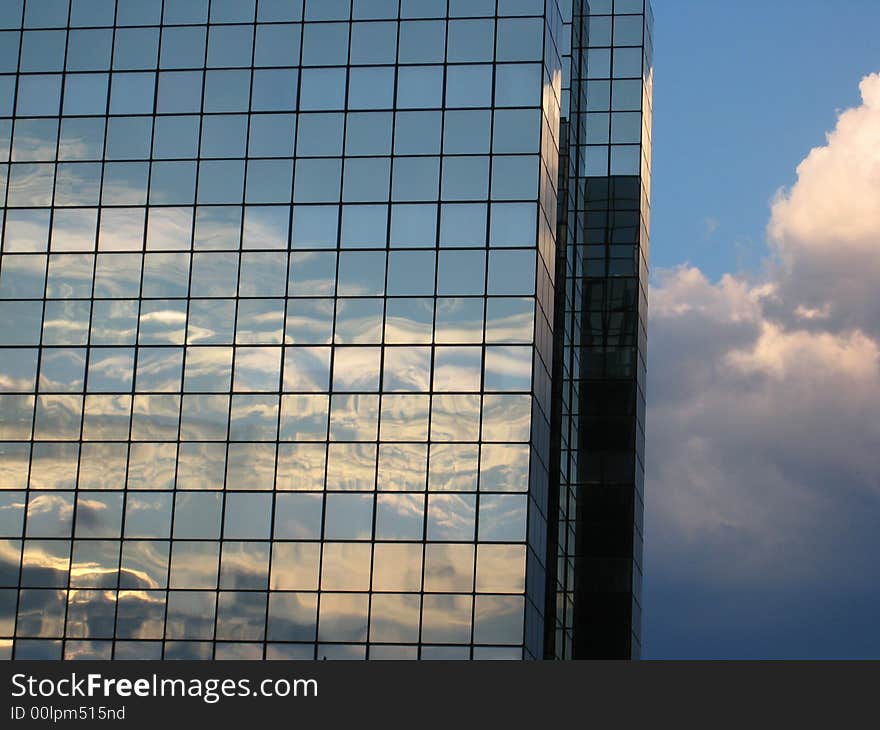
(764, 392)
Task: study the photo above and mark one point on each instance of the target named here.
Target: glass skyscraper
(322, 328)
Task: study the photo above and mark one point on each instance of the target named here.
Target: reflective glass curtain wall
(276, 306)
(597, 485)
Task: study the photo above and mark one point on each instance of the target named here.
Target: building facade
(322, 328)
(601, 333)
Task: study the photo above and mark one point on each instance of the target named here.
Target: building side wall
(276, 306)
(601, 334)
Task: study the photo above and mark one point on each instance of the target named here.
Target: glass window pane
(504, 468)
(471, 41)
(92, 12)
(230, 46)
(277, 45)
(395, 618)
(232, 11)
(304, 418)
(348, 517)
(406, 369)
(397, 567)
(194, 564)
(180, 92)
(459, 320)
(451, 517)
(503, 517)
(420, 87)
(45, 14)
(275, 90)
(293, 617)
(351, 467)
(136, 48)
(298, 516)
(469, 86)
(295, 566)
(227, 91)
(132, 93)
(138, 12)
(309, 321)
(322, 88)
(271, 135)
(224, 135)
(279, 10)
(498, 619)
(345, 566)
(409, 321)
(81, 139)
(343, 617)
(449, 568)
(402, 467)
(373, 43)
(518, 84)
(453, 468)
(461, 273)
(182, 47)
(248, 516)
(371, 88)
(353, 417)
(400, 517)
(325, 44)
(190, 615)
(301, 466)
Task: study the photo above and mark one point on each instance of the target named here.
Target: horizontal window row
(314, 321)
(316, 134)
(449, 272)
(307, 369)
(253, 417)
(110, 418)
(270, 227)
(294, 44)
(604, 160)
(618, 63)
(84, 649)
(237, 616)
(442, 466)
(76, 282)
(249, 516)
(619, 30)
(250, 370)
(58, 13)
(276, 89)
(615, 95)
(622, 7)
(616, 128)
(357, 180)
(458, 321)
(259, 369)
(432, 567)
(199, 516)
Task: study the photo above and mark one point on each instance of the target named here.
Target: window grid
(140, 349)
(174, 355)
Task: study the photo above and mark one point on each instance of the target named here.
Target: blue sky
(743, 90)
(763, 495)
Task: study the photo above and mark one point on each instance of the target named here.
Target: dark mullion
(488, 232)
(40, 351)
(195, 206)
(174, 492)
(234, 334)
(335, 250)
(27, 484)
(137, 347)
(271, 536)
